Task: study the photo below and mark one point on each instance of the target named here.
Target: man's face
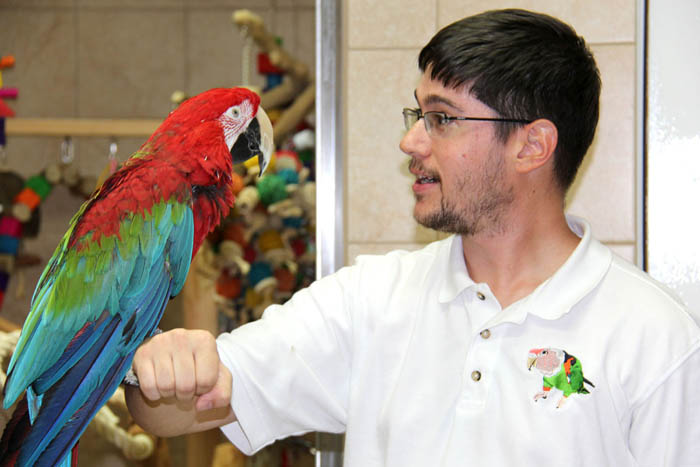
(461, 184)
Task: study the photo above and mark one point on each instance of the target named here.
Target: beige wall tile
(306, 36)
(356, 249)
(230, 4)
(293, 3)
(34, 3)
(604, 191)
(390, 23)
(130, 4)
(44, 72)
(28, 155)
(92, 154)
(215, 51)
(379, 198)
(130, 62)
(595, 20)
(282, 23)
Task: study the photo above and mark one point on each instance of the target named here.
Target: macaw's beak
(256, 141)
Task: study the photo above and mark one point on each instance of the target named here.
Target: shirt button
(476, 375)
(480, 296)
(485, 334)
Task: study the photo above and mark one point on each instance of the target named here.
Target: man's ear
(540, 141)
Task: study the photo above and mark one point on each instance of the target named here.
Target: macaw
(126, 253)
(559, 370)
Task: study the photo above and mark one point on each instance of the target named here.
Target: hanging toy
(304, 143)
(4, 279)
(111, 167)
(271, 188)
(273, 74)
(8, 61)
(35, 190)
(10, 234)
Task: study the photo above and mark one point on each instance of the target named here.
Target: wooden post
(199, 312)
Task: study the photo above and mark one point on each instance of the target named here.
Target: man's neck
(513, 262)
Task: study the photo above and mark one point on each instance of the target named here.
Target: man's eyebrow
(432, 99)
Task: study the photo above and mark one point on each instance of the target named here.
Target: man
(447, 355)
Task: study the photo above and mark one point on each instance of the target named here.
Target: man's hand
(183, 386)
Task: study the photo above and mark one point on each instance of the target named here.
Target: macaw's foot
(561, 402)
(540, 395)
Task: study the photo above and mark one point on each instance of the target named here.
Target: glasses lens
(434, 122)
(410, 117)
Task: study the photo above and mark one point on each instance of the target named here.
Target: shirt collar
(457, 278)
(581, 272)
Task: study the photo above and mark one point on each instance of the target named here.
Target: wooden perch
(291, 117)
(80, 127)
(266, 41)
(296, 87)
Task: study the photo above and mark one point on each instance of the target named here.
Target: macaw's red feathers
(203, 107)
(169, 161)
(133, 189)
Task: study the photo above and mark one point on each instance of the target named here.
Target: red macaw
(126, 253)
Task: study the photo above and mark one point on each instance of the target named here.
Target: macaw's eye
(236, 112)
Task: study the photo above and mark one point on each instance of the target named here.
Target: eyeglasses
(439, 123)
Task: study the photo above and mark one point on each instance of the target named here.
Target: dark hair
(523, 65)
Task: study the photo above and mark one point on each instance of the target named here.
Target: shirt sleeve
(665, 428)
(291, 368)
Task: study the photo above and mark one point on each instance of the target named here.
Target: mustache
(416, 165)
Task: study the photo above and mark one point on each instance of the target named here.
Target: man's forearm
(170, 417)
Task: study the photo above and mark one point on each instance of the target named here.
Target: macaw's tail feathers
(13, 436)
(588, 382)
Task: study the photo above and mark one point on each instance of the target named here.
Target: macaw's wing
(93, 306)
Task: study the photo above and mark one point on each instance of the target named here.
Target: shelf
(80, 127)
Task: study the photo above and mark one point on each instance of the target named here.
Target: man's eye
(444, 120)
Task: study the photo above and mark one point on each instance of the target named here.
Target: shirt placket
(483, 349)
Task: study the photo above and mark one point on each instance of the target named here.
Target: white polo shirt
(420, 366)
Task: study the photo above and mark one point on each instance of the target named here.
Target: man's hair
(526, 66)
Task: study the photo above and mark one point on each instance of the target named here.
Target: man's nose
(416, 142)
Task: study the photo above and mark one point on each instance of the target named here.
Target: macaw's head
(231, 115)
(546, 361)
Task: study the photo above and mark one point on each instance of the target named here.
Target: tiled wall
(382, 45)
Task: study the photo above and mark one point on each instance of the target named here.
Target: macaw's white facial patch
(235, 120)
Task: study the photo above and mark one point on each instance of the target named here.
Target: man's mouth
(423, 176)
(423, 179)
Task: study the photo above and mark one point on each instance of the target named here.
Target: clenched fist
(180, 375)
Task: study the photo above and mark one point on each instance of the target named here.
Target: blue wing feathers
(92, 393)
(182, 244)
(76, 356)
(63, 400)
(75, 351)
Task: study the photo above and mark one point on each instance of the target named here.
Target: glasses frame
(418, 113)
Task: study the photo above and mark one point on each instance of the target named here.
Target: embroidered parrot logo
(559, 370)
